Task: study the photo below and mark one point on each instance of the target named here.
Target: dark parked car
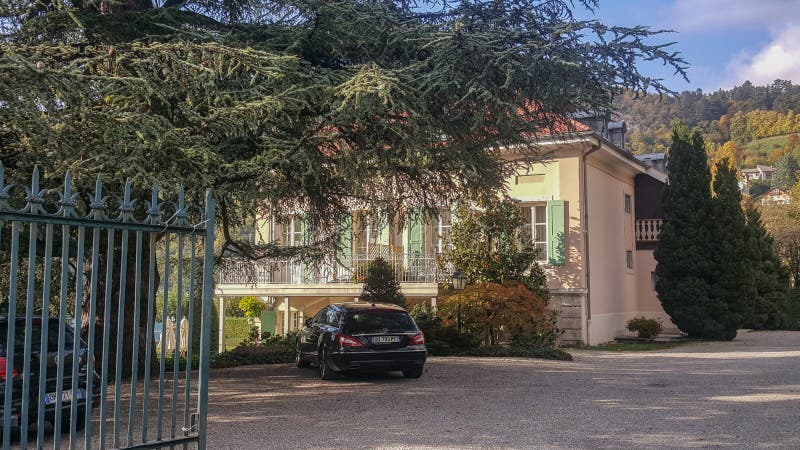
(53, 361)
(362, 337)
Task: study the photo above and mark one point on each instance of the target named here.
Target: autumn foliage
(497, 311)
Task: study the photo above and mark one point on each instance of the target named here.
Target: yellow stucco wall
(561, 181)
(648, 303)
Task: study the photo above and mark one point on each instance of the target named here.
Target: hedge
(237, 328)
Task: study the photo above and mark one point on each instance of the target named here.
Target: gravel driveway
(739, 394)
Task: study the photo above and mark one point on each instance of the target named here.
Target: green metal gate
(85, 267)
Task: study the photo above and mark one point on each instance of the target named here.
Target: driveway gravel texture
(739, 394)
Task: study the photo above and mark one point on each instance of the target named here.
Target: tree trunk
(128, 325)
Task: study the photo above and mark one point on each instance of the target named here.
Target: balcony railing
(407, 268)
(647, 230)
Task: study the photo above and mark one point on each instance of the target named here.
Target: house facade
(580, 204)
(775, 196)
(759, 172)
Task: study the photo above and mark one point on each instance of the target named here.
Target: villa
(594, 211)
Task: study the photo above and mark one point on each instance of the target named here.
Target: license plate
(66, 396)
(386, 339)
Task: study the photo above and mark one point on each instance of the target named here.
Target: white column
(355, 299)
(285, 315)
(433, 303)
(221, 324)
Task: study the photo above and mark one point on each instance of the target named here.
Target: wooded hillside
(740, 115)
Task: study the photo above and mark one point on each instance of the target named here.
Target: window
(629, 259)
(291, 231)
(627, 203)
(333, 317)
(536, 228)
(370, 233)
(444, 223)
(368, 322)
(321, 316)
(36, 332)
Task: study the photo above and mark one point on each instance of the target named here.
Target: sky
(726, 42)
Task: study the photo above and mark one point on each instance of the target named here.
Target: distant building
(776, 196)
(759, 172)
(657, 161)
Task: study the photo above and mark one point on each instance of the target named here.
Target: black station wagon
(54, 360)
(349, 337)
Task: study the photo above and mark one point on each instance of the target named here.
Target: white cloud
(707, 15)
(780, 58)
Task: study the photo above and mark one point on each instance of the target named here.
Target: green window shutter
(303, 229)
(305, 270)
(416, 225)
(346, 239)
(268, 322)
(556, 246)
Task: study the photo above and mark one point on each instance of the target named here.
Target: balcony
(647, 232)
(348, 270)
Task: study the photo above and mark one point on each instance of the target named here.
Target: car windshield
(376, 321)
(19, 336)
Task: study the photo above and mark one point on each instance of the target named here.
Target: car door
(330, 325)
(310, 334)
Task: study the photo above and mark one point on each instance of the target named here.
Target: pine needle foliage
(311, 105)
(302, 104)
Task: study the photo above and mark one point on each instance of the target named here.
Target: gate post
(221, 315)
(205, 340)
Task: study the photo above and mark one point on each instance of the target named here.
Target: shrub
(441, 340)
(237, 328)
(446, 340)
(251, 307)
(381, 284)
(513, 351)
(245, 355)
(277, 349)
(792, 310)
(645, 328)
(493, 311)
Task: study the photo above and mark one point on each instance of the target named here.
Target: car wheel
(325, 370)
(299, 361)
(416, 372)
(80, 421)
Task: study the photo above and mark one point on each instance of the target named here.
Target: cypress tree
(732, 283)
(684, 262)
(771, 277)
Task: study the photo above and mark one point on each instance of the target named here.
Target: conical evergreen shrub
(685, 252)
(380, 285)
(733, 284)
(767, 307)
